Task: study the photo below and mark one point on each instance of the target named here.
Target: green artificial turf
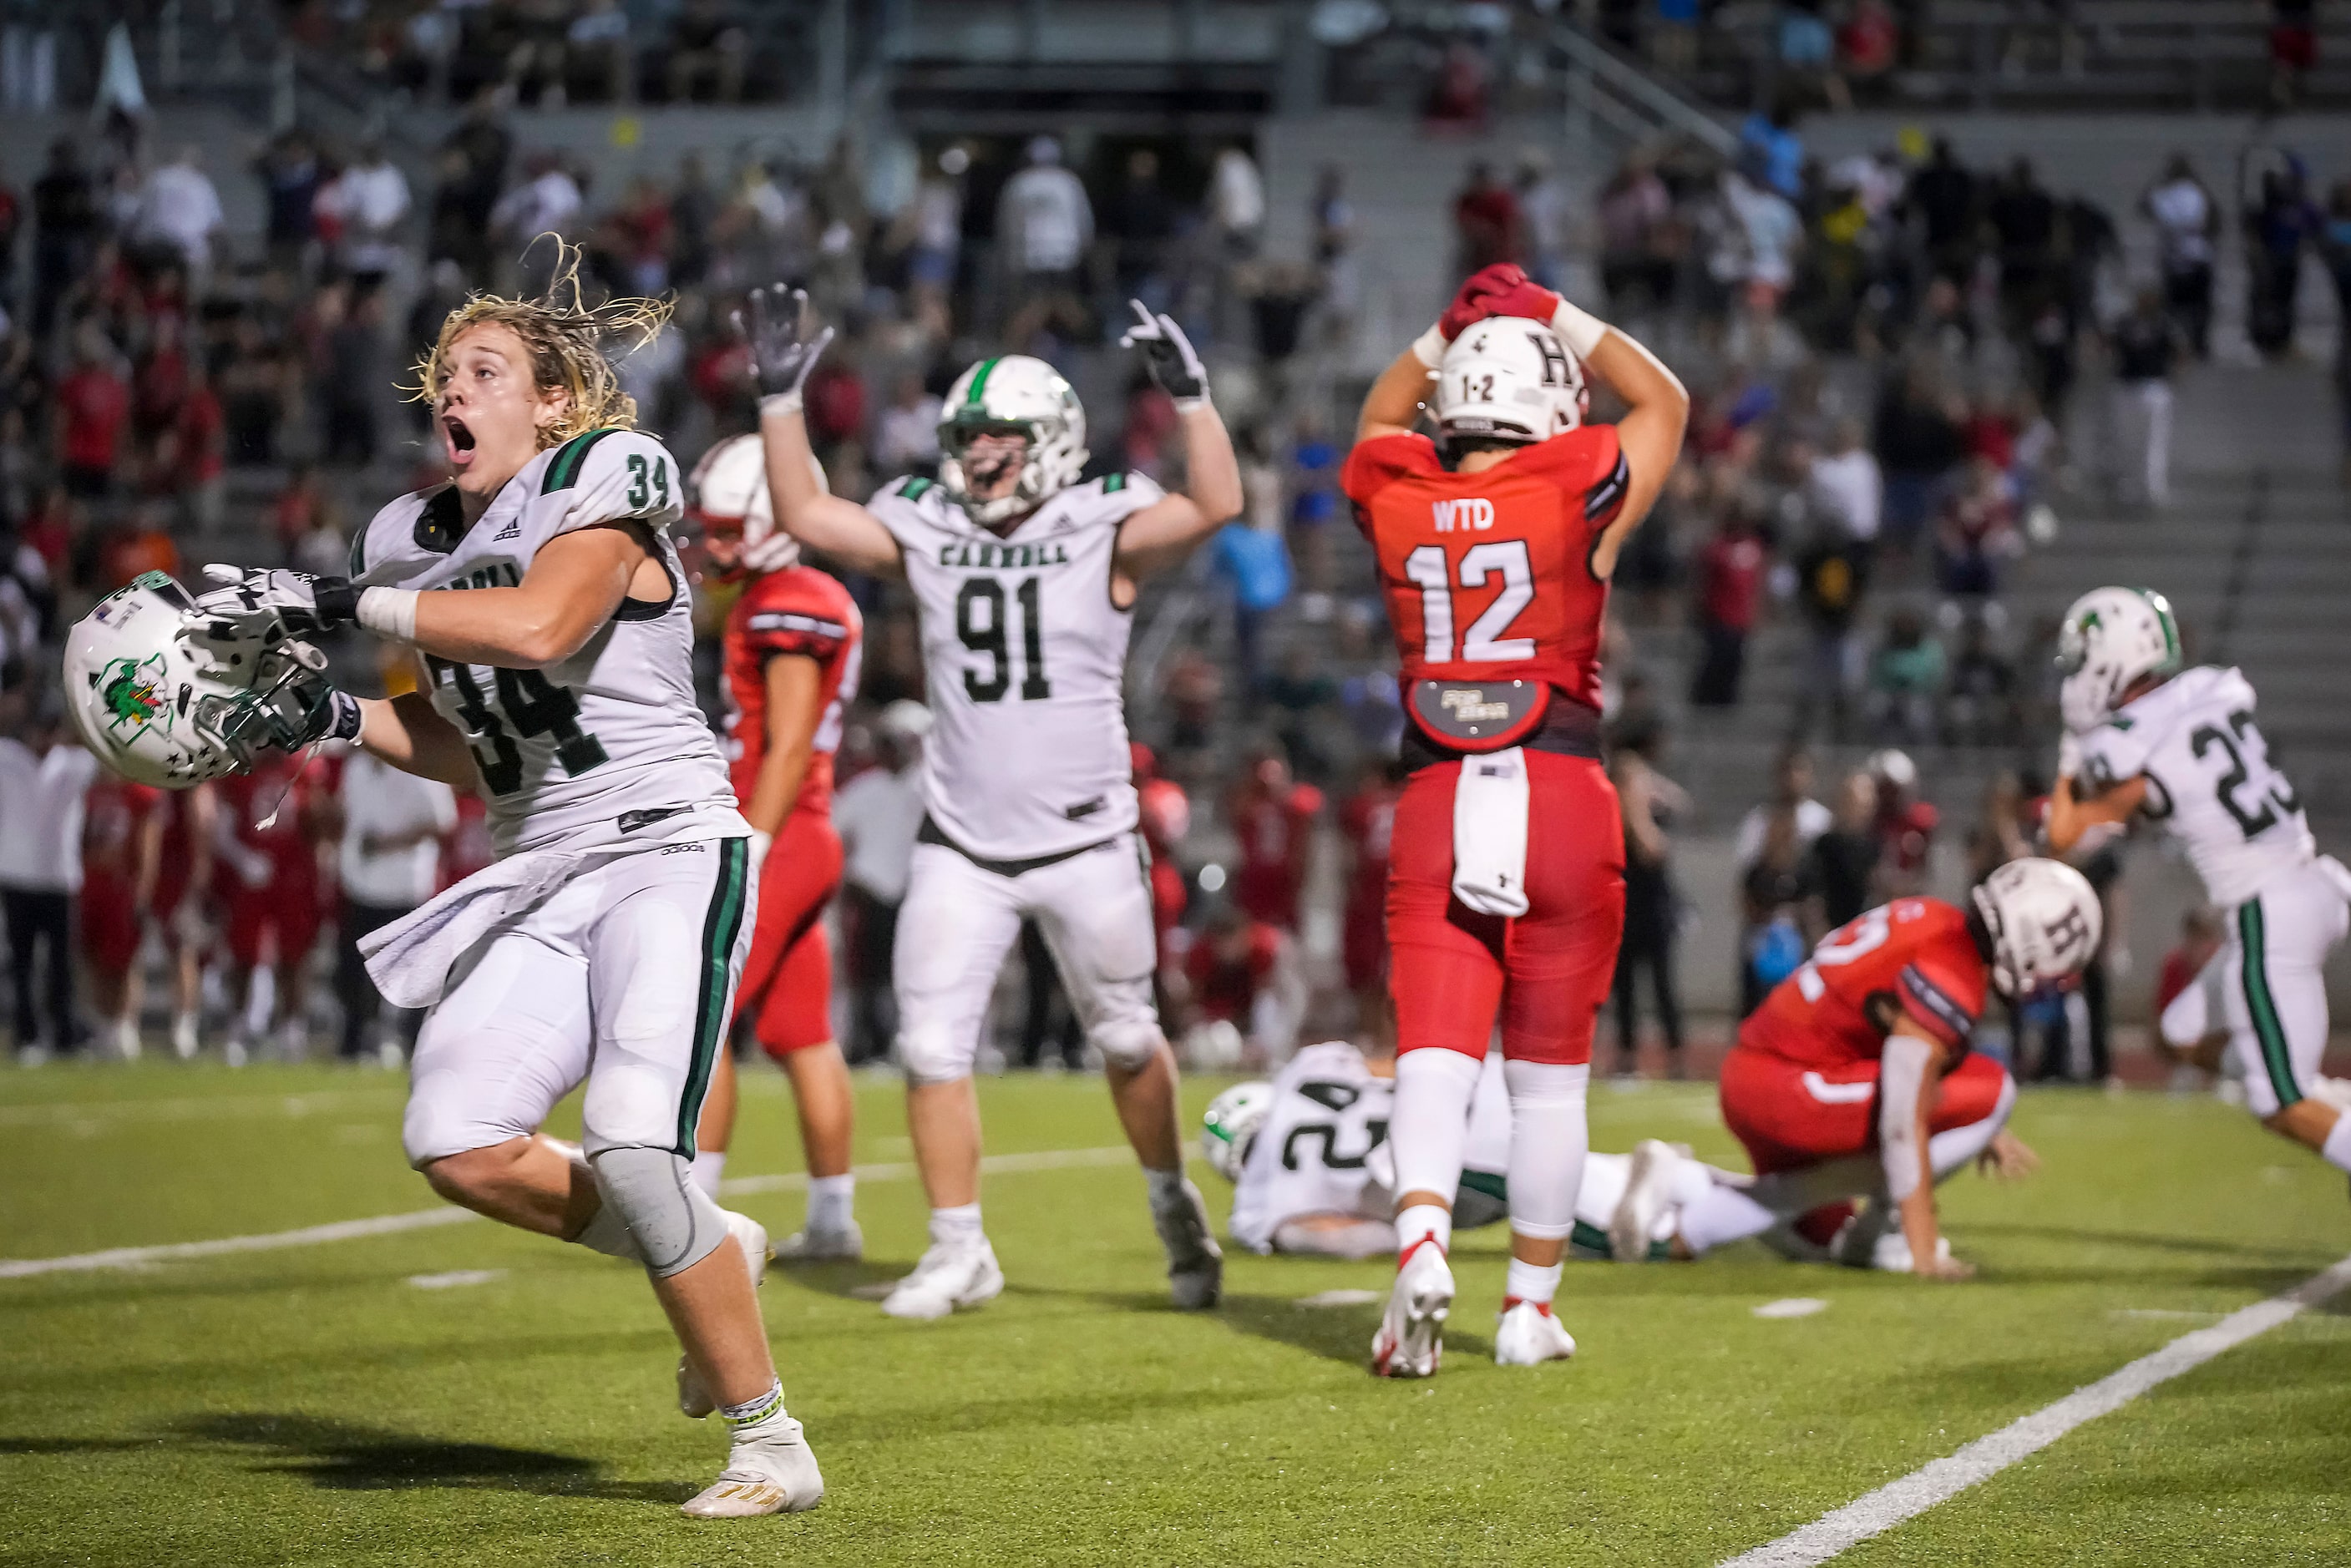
(312, 1405)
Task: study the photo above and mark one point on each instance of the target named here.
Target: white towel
(1490, 833)
(410, 959)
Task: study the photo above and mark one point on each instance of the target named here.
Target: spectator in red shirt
(1731, 572)
(1272, 815)
(196, 450)
(1368, 819)
(1486, 221)
(1166, 817)
(93, 406)
(1906, 824)
(1241, 987)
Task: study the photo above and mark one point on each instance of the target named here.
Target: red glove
(1502, 289)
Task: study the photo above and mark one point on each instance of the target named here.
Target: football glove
(252, 605)
(783, 352)
(293, 704)
(1502, 289)
(1168, 354)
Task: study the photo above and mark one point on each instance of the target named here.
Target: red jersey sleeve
(1375, 463)
(792, 617)
(1937, 996)
(1586, 463)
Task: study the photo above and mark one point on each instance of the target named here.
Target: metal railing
(1601, 87)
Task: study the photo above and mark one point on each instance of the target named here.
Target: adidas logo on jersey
(513, 530)
(1460, 516)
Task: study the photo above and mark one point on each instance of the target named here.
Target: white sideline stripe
(1946, 1477)
(427, 1219)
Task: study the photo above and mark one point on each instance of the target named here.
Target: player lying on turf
(1024, 578)
(1854, 1078)
(790, 655)
(1506, 891)
(542, 587)
(2179, 747)
(1313, 1173)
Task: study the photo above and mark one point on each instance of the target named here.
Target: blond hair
(565, 338)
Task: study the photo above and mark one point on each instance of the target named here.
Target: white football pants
(2274, 980)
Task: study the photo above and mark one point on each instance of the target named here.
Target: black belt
(1569, 729)
(929, 834)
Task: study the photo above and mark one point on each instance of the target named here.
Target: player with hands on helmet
(1024, 573)
(1495, 544)
(2180, 747)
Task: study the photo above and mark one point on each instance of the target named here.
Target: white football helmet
(2111, 639)
(1231, 1125)
(1013, 395)
(1509, 379)
(729, 495)
(2043, 919)
(161, 711)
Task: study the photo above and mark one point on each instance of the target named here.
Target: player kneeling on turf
(1025, 580)
(1854, 1078)
(542, 588)
(1313, 1173)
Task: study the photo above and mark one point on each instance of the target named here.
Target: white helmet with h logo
(1507, 378)
(2112, 639)
(1012, 395)
(729, 495)
(2044, 921)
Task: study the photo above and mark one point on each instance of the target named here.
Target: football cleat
(771, 1472)
(1526, 1334)
(947, 1276)
(693, 1399)
(1648, 1192)
(1196, 1265)
(845, 1245)
(1411, 1339)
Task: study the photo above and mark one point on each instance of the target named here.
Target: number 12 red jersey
(801, 611)
(1489, 576)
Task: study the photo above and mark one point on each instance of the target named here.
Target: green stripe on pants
(720, 927)
(2252, 937)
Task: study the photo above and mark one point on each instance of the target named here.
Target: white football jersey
(1025, 660)
(1323, 1148)
(2209, 779)
(608, 745)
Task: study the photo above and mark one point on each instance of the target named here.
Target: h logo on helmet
(2067, 932)
(1555, 359)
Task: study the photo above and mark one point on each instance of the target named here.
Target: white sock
(1549, 1137)
(958, 1226)
(708, 1164)
(1722, 1215)
(755, 1412)
(832, 1202)
(1165, 1188)
(1430, 1127)
(608, 1233)
(1531, 1282)
(2338, 1147)
(1421, 1222)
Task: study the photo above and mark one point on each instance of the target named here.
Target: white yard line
(427, 1219)
(195, 1108)
(1946, 1477)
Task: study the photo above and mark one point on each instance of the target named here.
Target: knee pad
(931, 1055)
(675, 1223)
(1127, 1043)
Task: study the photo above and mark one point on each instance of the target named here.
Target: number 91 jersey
(604, 744)
(2209, 779)
(1489, 576)
(1024, 658)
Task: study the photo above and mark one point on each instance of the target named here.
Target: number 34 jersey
(2209, 777)
(1024, 658)
(604, 745)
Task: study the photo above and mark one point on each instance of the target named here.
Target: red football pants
(786, 988)
(1789, 1116)
(1452, 970)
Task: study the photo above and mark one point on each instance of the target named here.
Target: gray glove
(1168, 354)
(783, 351)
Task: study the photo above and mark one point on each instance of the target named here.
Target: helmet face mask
(998, 401)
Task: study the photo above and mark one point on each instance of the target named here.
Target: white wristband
(780, 403)
(1430, 345)
(1578, 328)
(390, 612)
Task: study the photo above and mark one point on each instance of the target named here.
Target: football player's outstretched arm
(571, 587)
(406, 732)
(1164, 532)
(795, 685)
(783, 352)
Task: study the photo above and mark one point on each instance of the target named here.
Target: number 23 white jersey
(2209, 779)
(1024, 656)
(605, 744)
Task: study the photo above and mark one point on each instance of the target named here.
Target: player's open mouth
(457, 440)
